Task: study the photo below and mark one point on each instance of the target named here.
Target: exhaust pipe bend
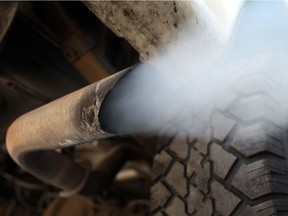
(127, 102)
(73, 119)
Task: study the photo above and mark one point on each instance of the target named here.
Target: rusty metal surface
(147, 26)
(7, 13)
(70, 120)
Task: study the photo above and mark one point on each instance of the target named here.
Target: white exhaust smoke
(203, 63)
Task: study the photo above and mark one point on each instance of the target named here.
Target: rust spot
(126, 12)
(132, 12)
(175, 7)
(89, 115)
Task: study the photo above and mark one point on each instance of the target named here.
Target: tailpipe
(100, 110)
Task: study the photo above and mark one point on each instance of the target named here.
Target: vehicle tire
(231, 159)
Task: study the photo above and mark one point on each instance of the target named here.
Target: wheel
(229, 156)
(231, 159)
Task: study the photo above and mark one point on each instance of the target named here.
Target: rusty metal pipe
(123, 103)
(73, 119)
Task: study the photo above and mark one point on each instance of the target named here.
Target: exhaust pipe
(118, 104)
(73, 119)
